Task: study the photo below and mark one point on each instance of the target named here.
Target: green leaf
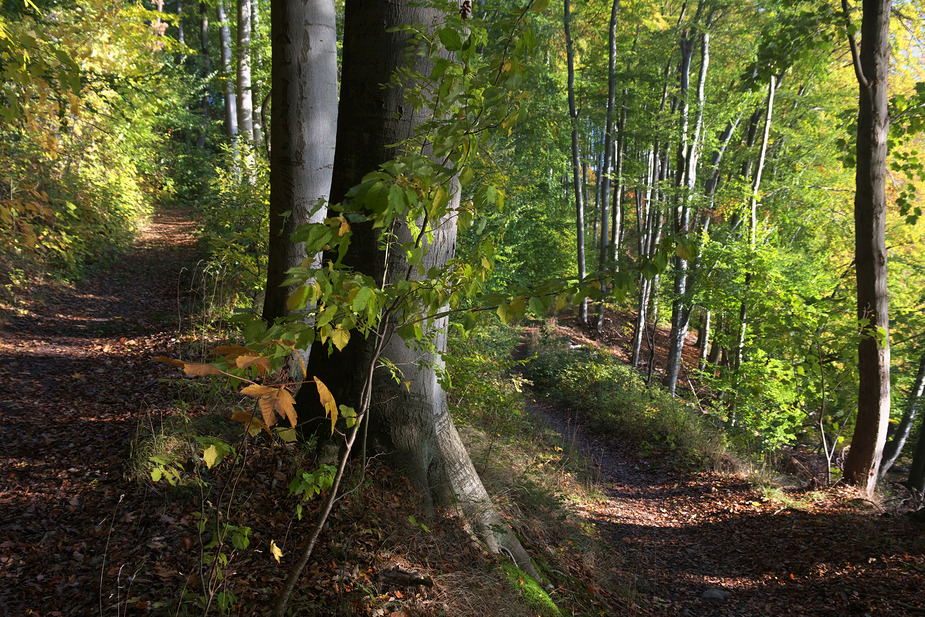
(450, 39)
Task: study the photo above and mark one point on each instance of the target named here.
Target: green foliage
(80, 135)
(311, 483)
(235, 221)
(483, 382)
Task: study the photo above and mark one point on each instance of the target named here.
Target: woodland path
(707, 544)
(78, 538)
(76, 376)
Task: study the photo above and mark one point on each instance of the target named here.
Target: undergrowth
(613, 399)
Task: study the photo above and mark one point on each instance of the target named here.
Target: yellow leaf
(287, 434)
(344, 227)
(257, 390)
(276, 551)
(210, 456)
(340, 338)
(327, 399)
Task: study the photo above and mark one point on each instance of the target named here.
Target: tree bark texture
(410, 422)
(872, 67)
(304, 75)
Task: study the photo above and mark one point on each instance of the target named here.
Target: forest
(421, 308)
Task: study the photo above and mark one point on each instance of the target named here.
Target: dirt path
(707, 544)
(75, 377)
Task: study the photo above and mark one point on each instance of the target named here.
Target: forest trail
(78, 538)
(76, 376)
(708, 544)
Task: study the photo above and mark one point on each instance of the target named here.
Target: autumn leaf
(200, 369)
(170, 361)
(340, 337)
(276, 551)
(254, 425)
(257, 390)
(262, 363)
(327, 399)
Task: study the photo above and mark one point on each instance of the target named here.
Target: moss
(535, 596)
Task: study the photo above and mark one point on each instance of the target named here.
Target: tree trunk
(304, 74)
(224, 38)
(872, 68)
(576, 161)
(206, 69)
(412, 423)
(245, 109)
(255, 62)
(181, 36)
(688, 155)
(607, 164)
(893, 447)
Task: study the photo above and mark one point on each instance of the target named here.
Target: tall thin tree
(871, 66)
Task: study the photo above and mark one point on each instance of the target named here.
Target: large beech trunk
(304, 74)
(409, 421)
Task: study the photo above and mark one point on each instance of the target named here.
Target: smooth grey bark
(304, 74)
(255, 61)
(607, 164)
(224, 41)
(411, 424)
(871, 68)
(206, 69)
(894, 446)
(243, 83)
(181, 36)
(576, 160)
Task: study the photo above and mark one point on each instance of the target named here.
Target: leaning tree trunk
(871, 67)
(245, 109)
(895, 445)
(304, 74)
(576, 161)
(413, 422)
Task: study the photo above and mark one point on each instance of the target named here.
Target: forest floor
(81, 533)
